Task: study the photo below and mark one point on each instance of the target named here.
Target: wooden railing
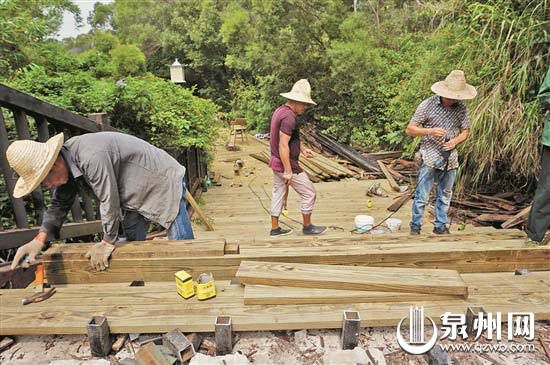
(48, 121)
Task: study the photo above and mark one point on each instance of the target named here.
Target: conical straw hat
(301, 91)
(32, 161)
(455, 87)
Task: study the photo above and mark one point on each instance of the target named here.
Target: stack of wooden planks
(290, 283)
(318, 168)
(159, 260)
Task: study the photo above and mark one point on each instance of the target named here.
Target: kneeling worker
(134, 182)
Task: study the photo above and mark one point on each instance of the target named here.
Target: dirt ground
(284, 347)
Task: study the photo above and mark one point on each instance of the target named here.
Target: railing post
(22, 127)
(100, 120)
(17, 203)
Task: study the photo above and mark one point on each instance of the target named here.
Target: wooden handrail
(11, 98)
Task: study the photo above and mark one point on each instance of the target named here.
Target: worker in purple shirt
(285, 153)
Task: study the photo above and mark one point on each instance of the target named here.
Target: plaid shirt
(431, 113)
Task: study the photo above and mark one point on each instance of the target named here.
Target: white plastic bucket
(393, 224)
(364, 223)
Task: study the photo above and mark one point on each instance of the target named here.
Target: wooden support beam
(351, 326)
(223, 330)
(99, 336)
(463, 256)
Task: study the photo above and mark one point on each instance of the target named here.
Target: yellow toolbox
(184, 284)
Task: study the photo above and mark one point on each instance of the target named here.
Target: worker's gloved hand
(32, 249)
(99, 255)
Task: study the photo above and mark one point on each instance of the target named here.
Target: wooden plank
(11, 98)
(199, 211)
(276, 295)
(16, 237)
(63, 313)
(490, 218)
(518, 218)
(393, 184)
(141, 249)
(428, 281)
(492, 284)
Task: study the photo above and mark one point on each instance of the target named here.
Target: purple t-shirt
(284, 120)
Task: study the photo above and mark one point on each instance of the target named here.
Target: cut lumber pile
(318, 168)
(491, 210)
(342, 151)
(360, 162)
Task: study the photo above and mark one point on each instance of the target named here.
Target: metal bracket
(224, 335)
(179, 345)
(99, 336)
(351, 327)
(472, 314)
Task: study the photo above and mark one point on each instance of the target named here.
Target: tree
(128, 60)
(101, 18)
(25, 25)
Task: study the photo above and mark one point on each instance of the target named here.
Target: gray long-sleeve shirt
(125, 173)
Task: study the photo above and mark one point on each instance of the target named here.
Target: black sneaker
(280, 232)
(313, 230)
(415, 231)
(442, 230)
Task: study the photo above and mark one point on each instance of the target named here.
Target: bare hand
(449, 145)
(308, 153)
(287, 176)
(437, 132)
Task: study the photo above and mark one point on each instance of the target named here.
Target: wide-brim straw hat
(301, 91)
(455, 87)
(32, 161)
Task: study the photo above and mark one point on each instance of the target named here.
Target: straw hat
(32, 161)
(455, 87)
(301, 91)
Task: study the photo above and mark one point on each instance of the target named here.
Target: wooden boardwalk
(485, 257)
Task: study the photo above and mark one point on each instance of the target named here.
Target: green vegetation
(369, 68)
